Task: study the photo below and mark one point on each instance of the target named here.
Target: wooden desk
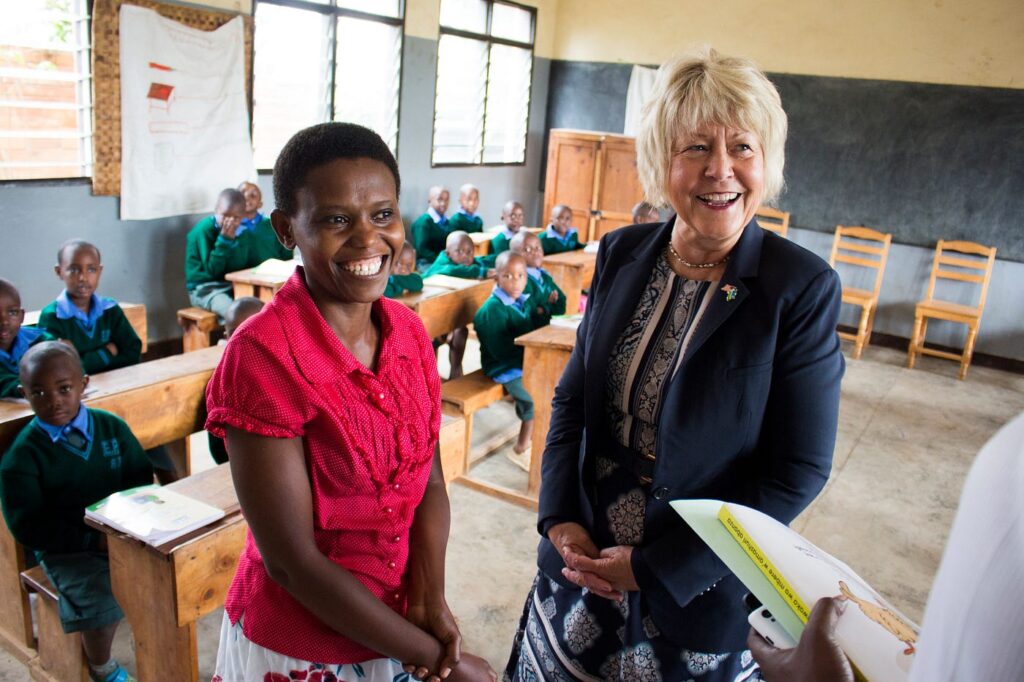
(135, 312)
(163, 402)
(546, 353)
(481, 242)
(164, 590)
(572, 272)
(443, 309)
(262, 285)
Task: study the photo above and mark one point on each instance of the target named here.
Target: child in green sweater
(65, 459)
(223, 243)
(403, 275)
(512, 217)
(466, 219)
(560, 236)
(546, 299)
(94, 325)
(457, 261)
(15, 340)
(430, 229)
(503, 317)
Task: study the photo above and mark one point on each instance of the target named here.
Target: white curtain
(641, 82)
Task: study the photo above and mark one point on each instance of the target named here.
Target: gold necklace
(698, 266)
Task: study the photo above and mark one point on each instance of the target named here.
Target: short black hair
(44, 352)
(320, 144)
(74, 245)
(7, 287)
(244, 308)
(229, 197)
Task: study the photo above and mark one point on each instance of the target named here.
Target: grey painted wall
(144, 260)
(593, 97)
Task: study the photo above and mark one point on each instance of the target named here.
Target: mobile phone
(764, 624)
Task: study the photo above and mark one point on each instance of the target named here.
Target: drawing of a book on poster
(788, 574)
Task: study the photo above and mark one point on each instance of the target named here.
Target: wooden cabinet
(595, 174)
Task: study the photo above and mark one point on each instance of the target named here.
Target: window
(484, 72)
(324, 60)
(45, 90)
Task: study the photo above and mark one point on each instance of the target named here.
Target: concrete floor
(906, 440)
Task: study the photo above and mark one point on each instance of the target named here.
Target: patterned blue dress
(570, 633)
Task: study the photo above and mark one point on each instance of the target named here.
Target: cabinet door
(570, 177)
(617, 186)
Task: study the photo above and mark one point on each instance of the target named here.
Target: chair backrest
(942, 258)
(773, 219)
(848, 246)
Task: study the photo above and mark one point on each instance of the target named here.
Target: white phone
(764, 623)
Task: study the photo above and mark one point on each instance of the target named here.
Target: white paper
(184, 120)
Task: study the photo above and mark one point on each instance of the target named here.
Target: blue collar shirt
(249, 223)
(67, 310)
(76, 434)
(518, 304)
(554, 235)
(25, 338)
(437, 217)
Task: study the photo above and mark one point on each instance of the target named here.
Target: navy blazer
(749, 417)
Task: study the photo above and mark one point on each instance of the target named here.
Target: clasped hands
(607, 573)
(431, 614)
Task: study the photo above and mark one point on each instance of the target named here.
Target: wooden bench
(197, 327)
(61, 657)
(135, 312)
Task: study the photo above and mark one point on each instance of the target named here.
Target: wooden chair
(773, 219)
(61, 657)
(931, 307)
(851, 239)
(197, 326)
(467, 394)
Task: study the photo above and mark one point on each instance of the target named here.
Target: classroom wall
(966, 42)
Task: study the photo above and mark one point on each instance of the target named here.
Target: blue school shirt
(76, 435)
(465, 213)
(22, 342)
(441, 220)
(520, 304)
(536, 274)
(247, 223)
(67, 310)
(554, 235)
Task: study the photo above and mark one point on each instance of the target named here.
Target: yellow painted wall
(421, 17)
(966, 42)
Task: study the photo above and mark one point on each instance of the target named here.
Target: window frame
(84, 114)
(331, 9)
(490, 40)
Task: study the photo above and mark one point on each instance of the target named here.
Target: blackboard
(922, 161)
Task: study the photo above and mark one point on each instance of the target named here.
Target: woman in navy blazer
(707, 366)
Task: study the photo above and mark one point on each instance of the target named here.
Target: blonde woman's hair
(703, 87)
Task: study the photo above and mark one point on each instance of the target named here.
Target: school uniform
(465, 221)
(498, 322)
(90, 332)
(500, 241)
(443, 265)
(399, 284)
(26, 338)
(48, 476)
(209, 256)
(539, 285)
(429, 233)
(552, 242)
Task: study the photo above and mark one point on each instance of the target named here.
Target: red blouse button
(396, 538)
(388, 510)
(396, 486)
(396, 596)
(391, 564)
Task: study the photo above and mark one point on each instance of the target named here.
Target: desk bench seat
(197, 326)
(61, 657)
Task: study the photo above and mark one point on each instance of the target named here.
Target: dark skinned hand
(817, 658)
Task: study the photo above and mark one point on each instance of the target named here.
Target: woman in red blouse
(329, 401)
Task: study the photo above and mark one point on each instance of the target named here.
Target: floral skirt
(240, 660)
(572, 634)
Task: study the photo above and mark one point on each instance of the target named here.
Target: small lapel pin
(730, 292)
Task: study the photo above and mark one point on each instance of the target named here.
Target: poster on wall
(184, 120)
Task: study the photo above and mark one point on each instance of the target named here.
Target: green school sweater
(499, 244)
(539, 293)
(497, 325)
(45, 487)
(399, 284)
(112, 326)
(443, 265)
(552, 245)
(9, 365)
(461, 221)
(428, 238)
(209, 256)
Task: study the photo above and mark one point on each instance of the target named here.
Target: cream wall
(964, 42)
